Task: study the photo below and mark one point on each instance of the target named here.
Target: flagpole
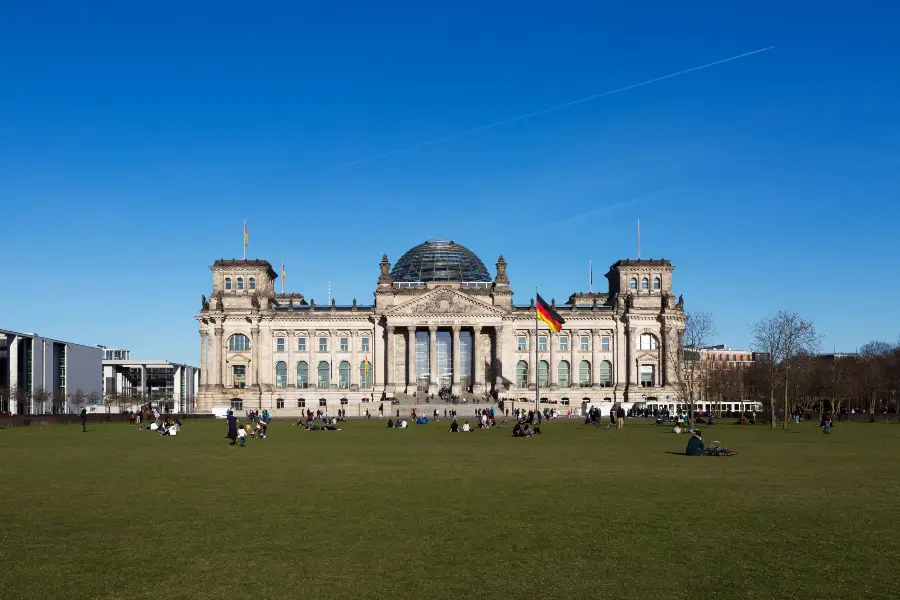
(537, 374)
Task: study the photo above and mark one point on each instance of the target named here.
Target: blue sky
(136, 137)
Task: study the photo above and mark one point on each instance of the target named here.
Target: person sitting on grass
(454, 427)
(517, 430)
(695, 445)
(466, 427)
(390, 423)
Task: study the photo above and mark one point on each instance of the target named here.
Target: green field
(369, 512)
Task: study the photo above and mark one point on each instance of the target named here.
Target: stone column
(203, 340)
(389, 381)
(532, 361)
(334, 370)
(456, 388)
(213, 357)
(595, 358)
(223, 354)
(354, 367)
(411, 360)
(499, 364)
(552, 339)
(254, 357)
(477, 361)
(433, 383)
(573, 366)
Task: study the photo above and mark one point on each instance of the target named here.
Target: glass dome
(440, 260)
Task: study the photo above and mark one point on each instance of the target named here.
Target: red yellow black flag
(549, 316)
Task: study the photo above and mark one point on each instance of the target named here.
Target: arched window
(606, 374)
(240, 283)
(228, 283)
(365, 375)
(281, 374)
(323, 372)
(252, 283)
(645, 284)
(584, 374)
(562, 378)
(648, 341)
(238, 343)
(633, 283)
(522, 374)
(544, 374)
(344, 375)
(302, 374)
(656, 283)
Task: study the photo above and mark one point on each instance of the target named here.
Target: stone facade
(263, 350)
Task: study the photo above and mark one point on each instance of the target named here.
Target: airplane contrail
(544, 111)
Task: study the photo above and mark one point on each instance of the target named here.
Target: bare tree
(110, 399)
(5, 399)
(39, 400)
(58, 402)
(691, 381)
(79, 398)
(22, 397)
(873, 372)
(783, 337)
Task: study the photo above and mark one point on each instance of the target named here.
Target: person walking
(232, 428)
(83, 416)
(620, 418)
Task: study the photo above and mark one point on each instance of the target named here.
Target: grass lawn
(369, 512)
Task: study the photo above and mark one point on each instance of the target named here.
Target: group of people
(616, 417)
(523, 430)
(238, 434)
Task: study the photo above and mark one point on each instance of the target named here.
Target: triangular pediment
(444, 301)
(239, 358)
(648, 355)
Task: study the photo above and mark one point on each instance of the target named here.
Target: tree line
(789, 376)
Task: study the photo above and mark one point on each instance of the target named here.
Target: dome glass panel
(440, 260)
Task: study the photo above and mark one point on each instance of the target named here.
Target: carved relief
(444, 302)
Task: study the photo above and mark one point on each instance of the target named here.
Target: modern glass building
(41, 375)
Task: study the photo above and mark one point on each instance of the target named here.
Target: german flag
(548, 315)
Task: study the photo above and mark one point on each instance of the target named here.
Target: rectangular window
(585, 343)
(542, 343)
(301, 403)
(365, 344)
(646, 375)
(564, 343)
(237, 404)
(239, 379)
(323, 402)
(301, 344)
(345, 345)
(279, 403)
(323, 344)
(344, 402)
(521, 344)
(604, 343)
(279, 344)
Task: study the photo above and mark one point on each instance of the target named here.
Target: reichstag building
(439, 323)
